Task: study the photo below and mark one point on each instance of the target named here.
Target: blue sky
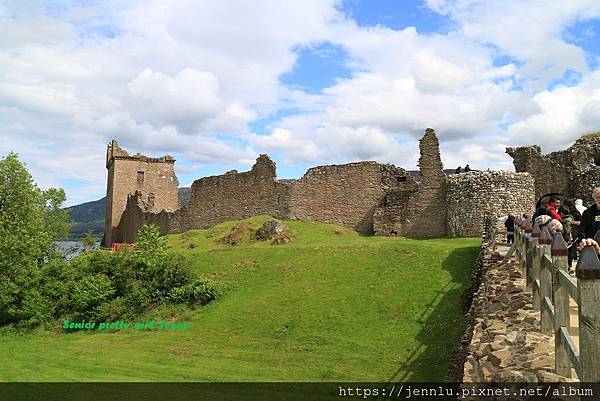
(308, 82)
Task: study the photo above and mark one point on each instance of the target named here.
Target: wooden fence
(543, 260)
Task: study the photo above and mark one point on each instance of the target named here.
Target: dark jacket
(510, 224)
(590, 222)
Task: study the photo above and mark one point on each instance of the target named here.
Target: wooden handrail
(552, 289)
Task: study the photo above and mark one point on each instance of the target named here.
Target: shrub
(168, 273)
(90, 293)
(151, 247)
(118, 308)
(202, 290)
(57, 283)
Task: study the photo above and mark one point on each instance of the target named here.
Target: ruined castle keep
(369, 197)
(574, 171)
(153, 178)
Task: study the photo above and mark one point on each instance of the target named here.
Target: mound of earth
(237, 234)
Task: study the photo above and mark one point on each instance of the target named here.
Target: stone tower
(154, 177)
(430, 200)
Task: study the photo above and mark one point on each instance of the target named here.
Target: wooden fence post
(518, 234)
(535, 274)
(559, 250)
(526, 246)
(588, 284)
(535, 261)
(545, 282)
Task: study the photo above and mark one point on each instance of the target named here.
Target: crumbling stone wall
(345, 194)
(549, 174)
(417, 210)
(235, 196)
(582, 184)
(569, 171)
(471, 196)
(154, 178)
(137, 213)
(370, 197)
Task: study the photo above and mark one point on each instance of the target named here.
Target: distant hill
(90, 215)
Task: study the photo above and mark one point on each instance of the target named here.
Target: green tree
(150, 243)
(89, 241)
(30, 220)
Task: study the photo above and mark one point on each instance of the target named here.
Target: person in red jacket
(553, 205)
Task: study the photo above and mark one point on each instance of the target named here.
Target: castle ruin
(153, 178)
(369, 197)
(573, 172)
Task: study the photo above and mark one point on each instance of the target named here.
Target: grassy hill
(332, 305)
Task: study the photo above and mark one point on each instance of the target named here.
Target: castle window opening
(401, 179)
(597, 159)
(140, 178)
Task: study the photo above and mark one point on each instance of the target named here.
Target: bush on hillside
(200, 291)
(101, 285)
(90, 293)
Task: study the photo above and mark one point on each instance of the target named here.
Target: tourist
(567, 233)
(467, 168)
(553, 205)
(590, 219)
(509, 223)
(553, 225)
(541, 210)
(579, 206)
(575, 228)
(458, 170)
(589, 242)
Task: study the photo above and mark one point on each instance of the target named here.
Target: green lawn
(331, 306)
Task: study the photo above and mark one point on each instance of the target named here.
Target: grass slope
(331, 306)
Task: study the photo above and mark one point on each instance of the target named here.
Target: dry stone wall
(136, 214)
(474, 194)
(235, 196)
(344, 194)
(572, 172)
(549, 174)
(429, 207)
(583, 183)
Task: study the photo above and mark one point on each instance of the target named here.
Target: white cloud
(531, 31)
(188, 77)
(184, 100)
(564, 113)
